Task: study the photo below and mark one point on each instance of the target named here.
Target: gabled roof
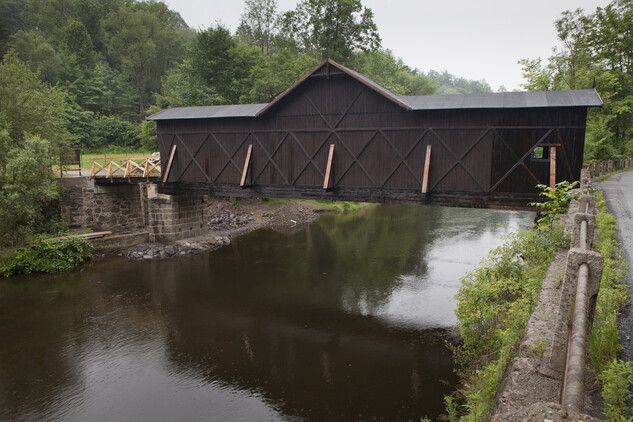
(325, 65)
(499, 100)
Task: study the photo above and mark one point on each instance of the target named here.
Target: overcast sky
(476, 39)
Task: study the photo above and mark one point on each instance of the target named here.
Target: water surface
(344, 320)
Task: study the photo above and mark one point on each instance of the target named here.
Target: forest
(88, 72)
(595, 51)
(116, 61)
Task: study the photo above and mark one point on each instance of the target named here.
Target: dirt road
(618, 193)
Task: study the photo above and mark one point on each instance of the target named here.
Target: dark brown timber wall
(480, 157)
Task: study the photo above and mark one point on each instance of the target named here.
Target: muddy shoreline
(229, 219)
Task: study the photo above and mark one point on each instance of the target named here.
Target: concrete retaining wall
(534, 379)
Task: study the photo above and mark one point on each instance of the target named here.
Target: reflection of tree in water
(350, 260)
(277, 315)
(311, 364)
(364, 254)
(269, 313)
(263, 315)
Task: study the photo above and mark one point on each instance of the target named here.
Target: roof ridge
(358, 76)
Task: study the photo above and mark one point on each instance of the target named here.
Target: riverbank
(227, 219)
(529, 387)
(267, 328)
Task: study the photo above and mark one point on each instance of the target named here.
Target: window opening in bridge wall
(540, 154)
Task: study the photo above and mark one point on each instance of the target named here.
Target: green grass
(102, 158)
(604, 344)
(606, 176)
(337, 206)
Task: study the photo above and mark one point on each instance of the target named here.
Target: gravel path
(618, 193)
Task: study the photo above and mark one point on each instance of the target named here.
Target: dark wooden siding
(378, 145)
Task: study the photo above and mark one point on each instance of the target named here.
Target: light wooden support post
(247, 164)
(127, 171)
(427, 163)
(552, 167)
(171, 159)
(328, 168)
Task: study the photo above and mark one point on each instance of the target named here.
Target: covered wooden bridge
(337, 135)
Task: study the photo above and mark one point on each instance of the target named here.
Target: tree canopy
(596, 51)
(333, 28)
(259, 24)
(32, 138)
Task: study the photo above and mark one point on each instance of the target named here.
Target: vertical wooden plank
(328, 168)
(552, 167)
(427, 162)
(171, 159)
(246, 163)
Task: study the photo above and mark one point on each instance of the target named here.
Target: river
(346, 319)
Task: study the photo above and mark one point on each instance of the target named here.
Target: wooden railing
(126, 167)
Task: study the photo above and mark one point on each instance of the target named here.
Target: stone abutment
(123, 208)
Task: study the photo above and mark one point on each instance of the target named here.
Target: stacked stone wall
(117, 208)
(175, 217)
(125, 207)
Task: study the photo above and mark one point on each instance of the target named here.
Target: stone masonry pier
(123, 208)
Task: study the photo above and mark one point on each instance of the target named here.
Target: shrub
(47, 256)
(494, 304)
(558, 201)
(115, 132)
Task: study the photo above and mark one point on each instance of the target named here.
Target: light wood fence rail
(126, 167)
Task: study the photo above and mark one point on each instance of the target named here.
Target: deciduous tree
(145, 40)
(596, 51)
(273, 75)
(382, 67)
(32, 136)
(220, 62)
(333, 27)
(259, 24)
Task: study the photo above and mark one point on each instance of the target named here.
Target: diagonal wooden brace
(171, 159)
(329, 169)
(427, 163)
(247, 168)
